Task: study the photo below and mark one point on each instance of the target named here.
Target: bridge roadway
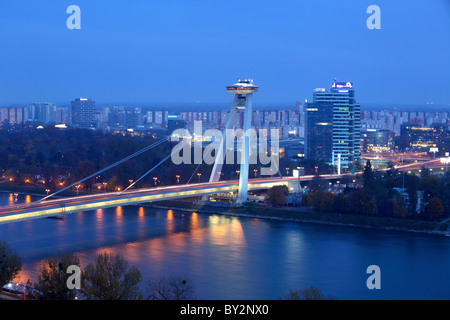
(48, 208)
(61, 206)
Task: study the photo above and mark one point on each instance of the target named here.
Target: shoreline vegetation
(292, 214)
(305, 215)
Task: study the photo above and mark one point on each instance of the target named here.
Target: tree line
(63, 156)
(380, 196)
(109, 277)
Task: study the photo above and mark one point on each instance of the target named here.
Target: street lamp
(178, 178)
(47, 190)
(287, 171)
(237, 173)
(77, 186)
(255, 171)
(155, 179)
(104, 186)
(199, 175)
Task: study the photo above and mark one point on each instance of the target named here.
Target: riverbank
(304, 215)
(293, 214)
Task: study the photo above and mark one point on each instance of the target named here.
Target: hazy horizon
(140, 51)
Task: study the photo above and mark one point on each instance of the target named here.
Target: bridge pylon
(243, 91)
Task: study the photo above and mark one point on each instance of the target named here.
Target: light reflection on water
(240, 258)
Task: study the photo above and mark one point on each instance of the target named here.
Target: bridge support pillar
(243, 91)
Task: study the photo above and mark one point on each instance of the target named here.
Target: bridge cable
(107, 168)
(193, 173)
(145, 174)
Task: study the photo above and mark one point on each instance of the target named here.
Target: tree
(173, 288)
(277, 195)
(311, 293)
(432, 186)
(52, 277)
(412, 193)
(10, 264)
(84, 169)
(342, 204)
(368, 177)
(111, 278)
(434, 209)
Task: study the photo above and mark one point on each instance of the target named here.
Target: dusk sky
(166, 51)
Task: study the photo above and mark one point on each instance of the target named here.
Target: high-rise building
(83, 113)
(13, 114)
(377, 140)
(62, 115)
(116, 117)
(333, 125)
(133, 118)
(42, 112)
(174, 122)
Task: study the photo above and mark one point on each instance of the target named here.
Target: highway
(61, 206)
(68, 205)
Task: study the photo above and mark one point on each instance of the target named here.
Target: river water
(231, 258)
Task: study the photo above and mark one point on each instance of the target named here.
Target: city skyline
(131, 52)
(224, 150)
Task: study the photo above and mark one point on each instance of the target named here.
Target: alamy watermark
(374, 280)
(374, 21)
(74, 20)
(74, 280)
(221, 148)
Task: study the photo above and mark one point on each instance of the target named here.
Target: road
(13, 213)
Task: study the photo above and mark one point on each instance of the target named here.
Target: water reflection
(224, 230)
(170, 222)
(239, 258)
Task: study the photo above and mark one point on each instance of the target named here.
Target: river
(240, 258)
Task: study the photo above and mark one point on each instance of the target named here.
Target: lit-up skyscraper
(83, 113)
(333, 125)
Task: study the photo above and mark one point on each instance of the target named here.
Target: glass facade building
(333, 125)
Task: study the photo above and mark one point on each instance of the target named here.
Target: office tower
(83, 113)
(62, 115)
(174, 122)
(333, 125)
(377, 140)
(116, 117)
(133, 118)
(42, 112)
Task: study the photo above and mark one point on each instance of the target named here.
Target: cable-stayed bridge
(62, 206)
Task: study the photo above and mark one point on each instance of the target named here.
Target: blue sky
(165, 51)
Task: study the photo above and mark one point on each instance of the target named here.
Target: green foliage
(10, 264)
(111, 278)
(75, 153)
(52, 277)
(320, 200)
(432, 186)
(277, 195)
(342, 204)
(434, 209)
